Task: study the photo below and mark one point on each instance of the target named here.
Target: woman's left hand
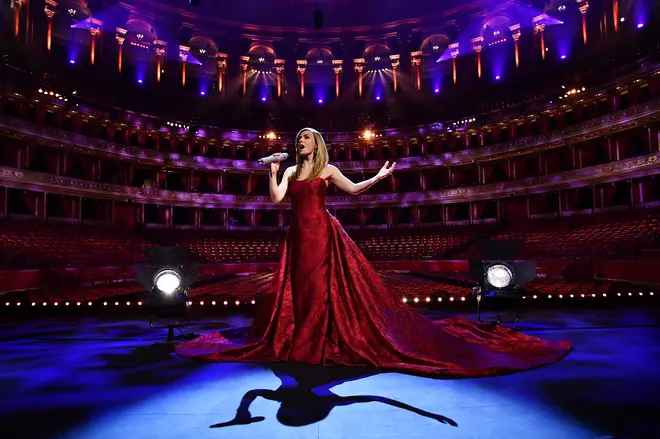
(385, 171)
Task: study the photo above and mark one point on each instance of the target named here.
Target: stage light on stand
(166, 278)
(499, 276)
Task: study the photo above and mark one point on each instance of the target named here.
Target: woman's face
(306, 143)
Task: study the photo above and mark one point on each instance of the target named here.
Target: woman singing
(326, 304)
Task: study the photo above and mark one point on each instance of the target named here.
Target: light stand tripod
(175, 312)
(514, 295)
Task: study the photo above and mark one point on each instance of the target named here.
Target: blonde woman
(326, 305)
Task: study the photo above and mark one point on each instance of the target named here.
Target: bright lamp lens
(168, 281)
(499, 276)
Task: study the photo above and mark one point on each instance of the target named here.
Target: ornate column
(583, 6)
(95, 27)
(49, 10)
(477, 45)
(17, 15)
(244, 68)
(160, 47)
(183, 57)
(539, 28)
(120, 36)
(416, 60)
(515, 34)
(336, 66)
(279, 70)
(221, 61)
(454, 51)
(302, 66)
(359, 68)
(395, 70)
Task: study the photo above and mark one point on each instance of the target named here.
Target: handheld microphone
(279, 157)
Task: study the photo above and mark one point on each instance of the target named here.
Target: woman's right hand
(274, 167)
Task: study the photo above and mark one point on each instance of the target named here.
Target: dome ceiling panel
(301, 13)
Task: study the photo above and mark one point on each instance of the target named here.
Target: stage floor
(105, 377)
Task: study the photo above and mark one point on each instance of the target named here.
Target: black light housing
(499, 275)
(166, 278)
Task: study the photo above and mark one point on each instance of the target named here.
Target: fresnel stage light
(166, 278)
(499, 276)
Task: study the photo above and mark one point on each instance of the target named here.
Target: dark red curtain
(40, 113)
(30, 201)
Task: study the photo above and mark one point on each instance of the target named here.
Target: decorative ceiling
(307, 14)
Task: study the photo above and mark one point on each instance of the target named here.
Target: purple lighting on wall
(640, 25)
(139, 81)
(72, 61)
(263, 98)
(437, 90)
(563, 57)
(320, 101)
(497, 78)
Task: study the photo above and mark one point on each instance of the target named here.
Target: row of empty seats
(28, 244)
(611, 236)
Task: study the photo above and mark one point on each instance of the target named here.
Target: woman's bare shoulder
(329, 171)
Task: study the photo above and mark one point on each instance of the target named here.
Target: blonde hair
(320, 155)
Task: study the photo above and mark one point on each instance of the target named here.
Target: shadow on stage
(305, 395)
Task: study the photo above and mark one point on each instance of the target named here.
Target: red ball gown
(326, 305)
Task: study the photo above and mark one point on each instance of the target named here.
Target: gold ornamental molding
(624, 169)
(605, 125)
